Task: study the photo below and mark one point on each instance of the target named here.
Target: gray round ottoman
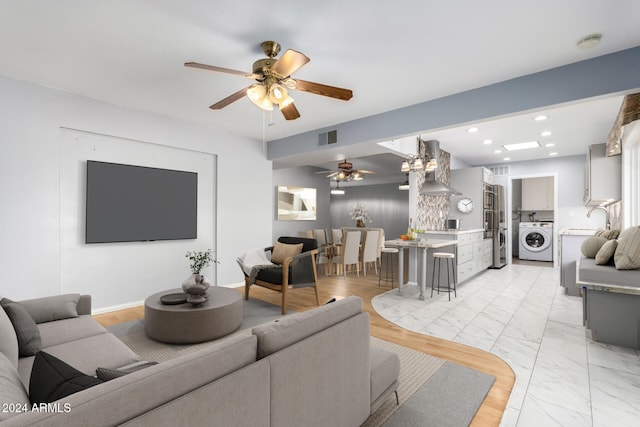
(220, 315)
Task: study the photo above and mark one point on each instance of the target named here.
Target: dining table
(422, 246)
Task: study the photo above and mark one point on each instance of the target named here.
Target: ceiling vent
(327, 138)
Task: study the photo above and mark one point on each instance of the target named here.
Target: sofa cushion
(106, 374)
(53, 379)
(12, 392)
(384, 369)
(8, 339)
(27, 332)
(591, 246)
(278, 334)
(67, 330)
(281, 251)
(56, 307)
(627, 255)
(605, 254)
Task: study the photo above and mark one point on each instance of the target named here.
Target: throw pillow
(607, 234)
(52, 379)
(106, 374)
(605, 254)
(627, 255)
(28, 334)
(591, 246)
(281, 251)
(55, 307)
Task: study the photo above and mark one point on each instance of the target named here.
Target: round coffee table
(220, 315)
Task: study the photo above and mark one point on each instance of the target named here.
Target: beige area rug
(416, 368)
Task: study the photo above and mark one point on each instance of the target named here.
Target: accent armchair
(295, 271)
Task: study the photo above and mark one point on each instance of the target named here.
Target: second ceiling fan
(274, 80)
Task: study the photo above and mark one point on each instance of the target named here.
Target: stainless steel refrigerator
(499, 227)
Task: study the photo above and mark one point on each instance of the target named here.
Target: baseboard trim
(141, 302)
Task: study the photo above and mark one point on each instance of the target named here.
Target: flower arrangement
(200, 259)
(359, 213)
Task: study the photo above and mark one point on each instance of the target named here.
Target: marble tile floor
(521, 314)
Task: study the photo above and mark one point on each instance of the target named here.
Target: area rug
(254, 312)
(425, 381)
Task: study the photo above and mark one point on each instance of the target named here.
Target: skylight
(521, 145)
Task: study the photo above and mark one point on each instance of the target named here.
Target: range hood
(431, 186)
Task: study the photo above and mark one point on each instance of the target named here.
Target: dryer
(536, 241)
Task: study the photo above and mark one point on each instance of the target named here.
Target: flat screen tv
(127, 203)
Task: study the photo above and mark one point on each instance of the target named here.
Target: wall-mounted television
(128, 203)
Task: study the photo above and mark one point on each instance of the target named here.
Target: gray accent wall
(388, 208)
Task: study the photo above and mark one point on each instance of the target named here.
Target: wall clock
(465, 205)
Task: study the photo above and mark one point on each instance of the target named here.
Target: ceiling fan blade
(364, 171)
(289, 63)
(290, 112)
(229, 99)
(220, 69)
(324, 90)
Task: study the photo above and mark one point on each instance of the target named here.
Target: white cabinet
(537, 194)
(470, 253)
(602, 177)
(487, 254)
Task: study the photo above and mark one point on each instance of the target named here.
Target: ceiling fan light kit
(274, 82)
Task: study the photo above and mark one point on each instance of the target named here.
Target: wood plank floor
(367, 287)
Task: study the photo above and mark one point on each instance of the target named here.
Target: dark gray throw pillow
(29, 341)
(52, 379)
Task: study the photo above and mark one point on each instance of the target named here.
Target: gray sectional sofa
(609, 276)
(315, 368)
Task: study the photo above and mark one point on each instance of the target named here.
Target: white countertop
(419, 243)
(577, 232)
(454, 232)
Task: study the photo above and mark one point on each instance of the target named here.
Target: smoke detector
(589, 41)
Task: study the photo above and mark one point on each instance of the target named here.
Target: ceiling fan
(346, 172)
(273, 78)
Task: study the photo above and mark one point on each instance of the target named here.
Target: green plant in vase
(196, 285)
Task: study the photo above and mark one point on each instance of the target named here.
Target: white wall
(36, 256)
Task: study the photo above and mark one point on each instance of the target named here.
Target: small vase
(196, 285)
(360, 223)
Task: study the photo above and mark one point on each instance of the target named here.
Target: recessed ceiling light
(546, 133)
(497, 151)
(521, 145)
(472, 130)
(553, 153)
(551, 144)
(589, 41)
(487, 141)
(540, 118)
(507, 158)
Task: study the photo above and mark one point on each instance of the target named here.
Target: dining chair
(350, 252)
(320, 234)
(337, 236)
(370, 250)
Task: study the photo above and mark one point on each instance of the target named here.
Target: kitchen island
(425, 247)
(474, 252)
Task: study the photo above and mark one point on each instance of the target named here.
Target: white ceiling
(391, 54)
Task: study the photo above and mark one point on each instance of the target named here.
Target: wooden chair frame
(283, 287)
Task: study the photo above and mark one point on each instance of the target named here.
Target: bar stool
(448, 258)
(387, 253)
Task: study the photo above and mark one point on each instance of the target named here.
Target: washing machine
(536, 241)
